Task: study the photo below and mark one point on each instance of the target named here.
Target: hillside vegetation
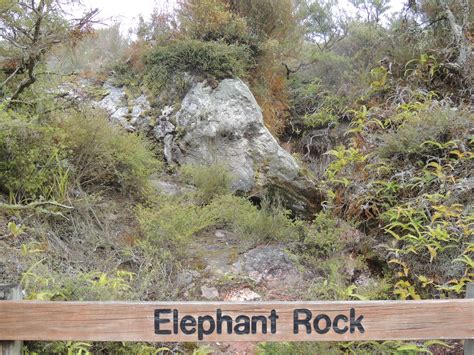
(375, 107)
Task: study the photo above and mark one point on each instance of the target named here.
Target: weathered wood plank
(129, 321)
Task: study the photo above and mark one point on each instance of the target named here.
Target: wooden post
(10, 292)
(469, 344)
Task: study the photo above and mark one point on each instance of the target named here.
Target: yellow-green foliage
(210, 60)
(412, 139)
(31, 156)
(431, 247)
(270, 223)
(42, 158)
(343, 158)
(209, 181)
(104, 155)
(426, 229)
(171, 222)
(46, 285)
(320, 119)
(212, 20)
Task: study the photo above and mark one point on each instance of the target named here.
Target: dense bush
(210, 182)
(104, 155)
(31, 156)
(409, 162)
(270, 32)
(423, 133)
(212, 20)
(209, 60)
(172, 222)
(270, 223)
(41, 159)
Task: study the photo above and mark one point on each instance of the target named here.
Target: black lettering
(356, 322)
(255, 319)
(188, 321)
(201, 330)
(175, 321)
(273, 318)
(220, 319)
(244, 327)
(316, 324)
(159, 321)
(297, 321)
(335, 325)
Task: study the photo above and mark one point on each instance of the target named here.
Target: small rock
(244, 294)
(167, 110)
(171, 188)
(186, 278)
(220, 234)
(162, 128)
(209, 293)
(364, 281)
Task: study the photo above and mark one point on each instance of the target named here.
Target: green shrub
(322, 239)
(270, 223)
(173, 221)
(320, 119)
(212, 20)
(30, 157)
(411, 139)
(104, 155)
(211, 181)
(211, 60)
(42, 159)
(297, 348)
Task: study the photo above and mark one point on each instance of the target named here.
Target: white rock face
(225, 125)
(117, 106)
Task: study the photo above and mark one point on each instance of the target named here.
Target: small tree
(29, 29)
(322, 24)
(448, 26)
(372, 10)
(211, 20)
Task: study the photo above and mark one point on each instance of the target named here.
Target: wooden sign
(226, 321)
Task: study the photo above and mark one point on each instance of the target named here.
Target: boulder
(268, 263)
(225, 125)
(218, 125)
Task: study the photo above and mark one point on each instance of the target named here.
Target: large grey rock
(225, 125)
